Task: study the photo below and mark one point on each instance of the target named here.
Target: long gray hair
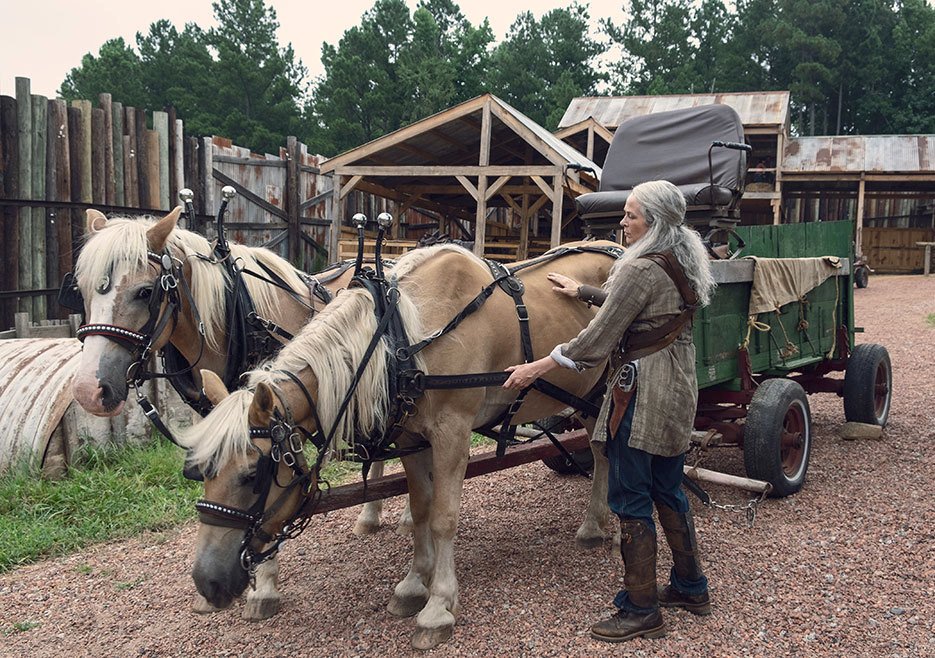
(663, 206)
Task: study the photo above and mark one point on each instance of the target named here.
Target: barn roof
(860, 153)
(579, 134)
(756, 108)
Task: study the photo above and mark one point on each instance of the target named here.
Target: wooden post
(859, 229)
(153, 176)
(117, 144)
(523, 251)
(293, 200)
(74, 174)
(40, 127)
(174, 157)
(59, 161)
(142, 159)
(480, 228)
(590, 146)
(337, 214)
(207, 183)
(24, 132)
(9, 188)
(777, 180)
(110, 182)
(178, 177)
(558, 196)
(98, 184)
(131, 176)
(161, 128)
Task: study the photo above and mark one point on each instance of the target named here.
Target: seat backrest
(673, 146)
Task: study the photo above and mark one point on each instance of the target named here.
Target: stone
(857, 431)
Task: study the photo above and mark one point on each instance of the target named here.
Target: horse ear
(159, 232)
(261, 408)
(213, 386)
(96, 220)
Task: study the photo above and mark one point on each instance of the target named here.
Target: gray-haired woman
(644, 327)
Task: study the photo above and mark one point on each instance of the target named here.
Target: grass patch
(20, 627)
(110, 493)
(930, 319)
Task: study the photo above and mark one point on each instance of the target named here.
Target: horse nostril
(108, 396)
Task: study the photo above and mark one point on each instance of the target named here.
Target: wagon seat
(673, 146)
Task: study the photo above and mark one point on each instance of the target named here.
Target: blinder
(69, 294)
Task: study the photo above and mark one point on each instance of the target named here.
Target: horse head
(118, 272)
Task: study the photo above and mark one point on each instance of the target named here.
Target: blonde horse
(434, 284)
(116, 277)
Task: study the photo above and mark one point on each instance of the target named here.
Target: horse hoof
(429, 638)
(260, 609)
(362, 528)
(202, 607)
(589, 543)
(405, 606)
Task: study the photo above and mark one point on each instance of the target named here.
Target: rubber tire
(776, 404)
(868, 368)
(862, 277)
(558, 463)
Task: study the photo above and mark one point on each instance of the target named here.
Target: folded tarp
(778, 281)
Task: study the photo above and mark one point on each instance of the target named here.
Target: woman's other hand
(525, 374)
(564, 285)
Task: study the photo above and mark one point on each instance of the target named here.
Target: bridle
(165, 302)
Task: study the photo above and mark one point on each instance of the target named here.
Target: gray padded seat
(672, 146)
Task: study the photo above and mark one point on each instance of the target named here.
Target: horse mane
(123, 242)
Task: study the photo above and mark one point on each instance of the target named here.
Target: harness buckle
(168, 282)
(295, 442)
(288, 459)
(522, 313)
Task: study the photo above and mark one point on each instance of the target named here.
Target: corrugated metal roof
(857, 153)
(761, 108)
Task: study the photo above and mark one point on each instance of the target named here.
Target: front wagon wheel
(558, 463)
(777, 436)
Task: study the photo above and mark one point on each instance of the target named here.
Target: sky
(44, 39)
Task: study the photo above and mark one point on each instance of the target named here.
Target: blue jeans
(636, 480)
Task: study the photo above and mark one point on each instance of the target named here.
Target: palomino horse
(251, 492)
(116, 277)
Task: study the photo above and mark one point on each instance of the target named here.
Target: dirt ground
(846, 567)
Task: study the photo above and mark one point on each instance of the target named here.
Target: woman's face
(633, 222)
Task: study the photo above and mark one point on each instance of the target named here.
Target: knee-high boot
(639, 615)
(688, 587)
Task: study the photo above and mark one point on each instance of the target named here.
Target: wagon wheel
(862, 277)
(558, 463)
(868, 385)
(777, 437)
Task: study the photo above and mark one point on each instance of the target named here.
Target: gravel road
(844, 568)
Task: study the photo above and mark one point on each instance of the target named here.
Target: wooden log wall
(894, 250)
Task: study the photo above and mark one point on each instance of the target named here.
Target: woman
(644, 326)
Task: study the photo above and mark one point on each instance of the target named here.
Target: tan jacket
(643, 297)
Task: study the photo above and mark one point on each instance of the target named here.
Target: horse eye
(247, 478)
(144, 293)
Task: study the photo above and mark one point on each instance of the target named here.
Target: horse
(255, 496)
(116, 274)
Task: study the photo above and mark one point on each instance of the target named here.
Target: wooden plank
(40, 128)
(142, 160)
(349, 186)
(207, 173)
(522, 252)
(292, 199)
(480, 225)
(130, 154)
(98, 184)
(530, 137)
(467, 185)
(110, 181)
(116, 122)
(487, 462)
(485, 128)
(558, 197)
(154, 169)
(251, 197)
(24, 131)
(59, 161)
(161, 158)
(253, 162)
(9, 189)
(175, 156)
(861, 188)
(178, 178)
(81, 150)
(542, 185)
(499, 183)
(448, 170)
(337, 217)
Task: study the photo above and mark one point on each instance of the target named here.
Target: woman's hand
(525, 374)
(564, 285)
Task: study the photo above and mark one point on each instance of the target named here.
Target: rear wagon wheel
(868, 385)
(777, 436)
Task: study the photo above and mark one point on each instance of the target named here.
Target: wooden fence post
(292, 199)
(9, 188)
(161, 153)
(110, 181)
(98, 184)
(59, 236)
(24, 131)
(117, 142)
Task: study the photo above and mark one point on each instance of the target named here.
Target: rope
(834, 322)
(753, 323)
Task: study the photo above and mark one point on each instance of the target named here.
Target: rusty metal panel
(807, 154)
(35, 391)
(892, 153)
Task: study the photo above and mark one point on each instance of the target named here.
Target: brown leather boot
(680, 534)
(638, 546)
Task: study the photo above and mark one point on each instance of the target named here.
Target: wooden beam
(349, 186)
(337, 214)
(251, 197)
(528, 135)
(558, 196)
(467, 185)
(777, 184)
(480, 225)
(860, 218)
(590, 147)
(511, 203)
(542, 185)
(292, 201)
(500, 182)
(484, 157)
(444, 170)
(522, 253)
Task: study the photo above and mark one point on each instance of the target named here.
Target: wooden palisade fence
(57, 159)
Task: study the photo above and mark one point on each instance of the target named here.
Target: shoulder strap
(648, 342)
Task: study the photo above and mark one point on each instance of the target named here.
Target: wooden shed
(461, 164)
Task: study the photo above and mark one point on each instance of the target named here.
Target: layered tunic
(642, 297)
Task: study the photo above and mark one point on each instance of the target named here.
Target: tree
(543, 64)
(115, 70)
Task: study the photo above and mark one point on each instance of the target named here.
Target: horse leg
(591, 532)
(412, 592)
(436, 620)
(264, 601)
(368, 521)
(404, 525)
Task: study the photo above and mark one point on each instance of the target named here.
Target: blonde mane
(332, 346)
(123, 242)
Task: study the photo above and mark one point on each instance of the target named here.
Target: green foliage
(112, 493)
(543, 64)
(116, 70)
